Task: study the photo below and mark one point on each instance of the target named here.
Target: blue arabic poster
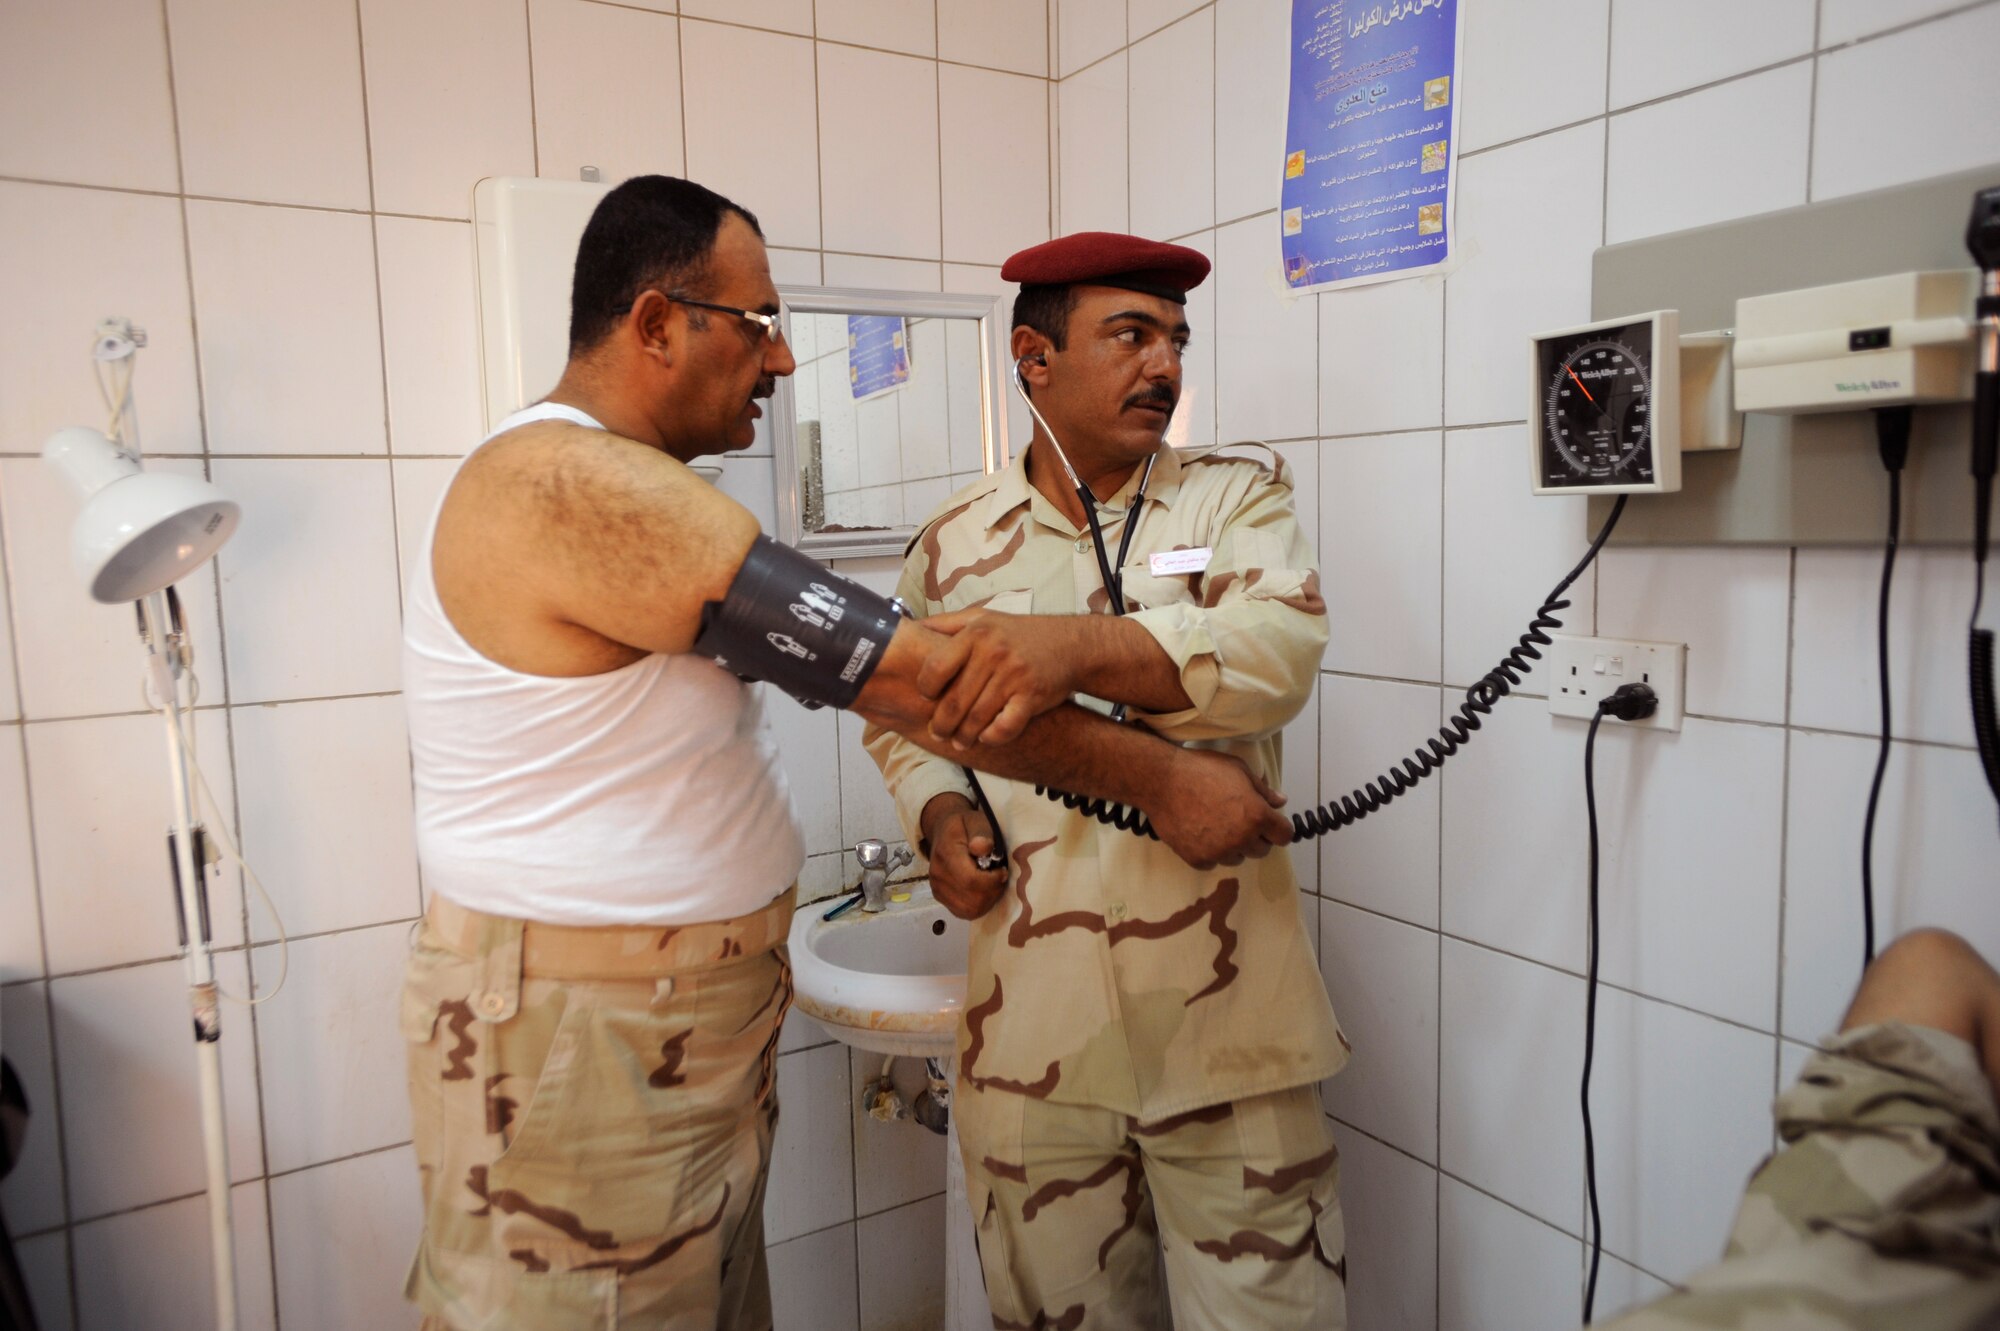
(878, 354)
(1371, 141)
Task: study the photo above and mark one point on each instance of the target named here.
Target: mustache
(766, 386)
(1158, 396)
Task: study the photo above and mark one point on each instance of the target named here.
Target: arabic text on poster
(1370, 142)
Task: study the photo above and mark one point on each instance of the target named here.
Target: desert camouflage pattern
(593, 1112)
(1881, 1212)
(1072, 1204)
(1111, 974)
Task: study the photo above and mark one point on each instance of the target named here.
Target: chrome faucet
(876, 865)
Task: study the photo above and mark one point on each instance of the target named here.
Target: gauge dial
(1599, 414)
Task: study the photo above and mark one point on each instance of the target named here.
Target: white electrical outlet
(1583, 670)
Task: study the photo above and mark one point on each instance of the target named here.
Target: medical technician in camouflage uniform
(1142, 1043)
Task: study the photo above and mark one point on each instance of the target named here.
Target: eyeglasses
(773, 328)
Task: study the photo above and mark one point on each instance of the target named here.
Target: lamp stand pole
(163, 640)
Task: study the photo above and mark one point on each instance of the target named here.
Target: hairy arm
(557, 542)
(1206, 806)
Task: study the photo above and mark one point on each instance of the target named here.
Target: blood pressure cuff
(789, 620)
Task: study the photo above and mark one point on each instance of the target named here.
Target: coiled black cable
(1480, 699)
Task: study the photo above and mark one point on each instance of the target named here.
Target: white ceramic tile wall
(901, 1266)
(1681, 163)
(257, 273)
(1661, 47)
(996, 197)
(1510, 51)
(1389, 1201)
(813, 1282)
(1383, 978)
(52, 52)
(430, 351)
(448, 101)
(96, 254)
(269, 102)
(1858, 146)
(150, 1267)
(1000, 34)
(1093, 175)
(281, 202)
(1173, 128)
(1652, 1118)
(607, 90)
(878, 186)
(330, 1286)
(1500, 1269)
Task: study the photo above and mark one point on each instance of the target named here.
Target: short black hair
(1046, 307)
(651, 231)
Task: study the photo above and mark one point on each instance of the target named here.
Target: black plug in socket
(1630, 702)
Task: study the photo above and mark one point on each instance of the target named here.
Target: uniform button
(492, 1005)
(1081, 546)
(1115, 911)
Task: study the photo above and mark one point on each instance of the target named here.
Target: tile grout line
(1469, 941)
(819, 148)
(534, 116)
(395, 525)
(1812, 95)
(681, 64)
(1486, 1192)
(1785, 817)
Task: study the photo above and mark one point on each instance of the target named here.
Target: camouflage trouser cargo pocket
(1074, 1204)
(594, 1154)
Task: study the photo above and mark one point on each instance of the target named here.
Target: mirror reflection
(887, 415)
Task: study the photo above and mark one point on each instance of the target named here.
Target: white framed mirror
(895, 405)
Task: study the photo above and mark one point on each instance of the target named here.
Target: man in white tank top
(593, 1004)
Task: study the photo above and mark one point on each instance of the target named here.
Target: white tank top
(650, 794)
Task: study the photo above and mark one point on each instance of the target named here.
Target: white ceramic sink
(889, 983)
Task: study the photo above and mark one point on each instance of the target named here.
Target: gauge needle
(1579, 384)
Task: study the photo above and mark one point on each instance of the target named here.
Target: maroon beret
(1107, 259)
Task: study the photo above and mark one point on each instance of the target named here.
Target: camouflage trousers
(593, 1112)
(1880, 1213)
(1075, 1206)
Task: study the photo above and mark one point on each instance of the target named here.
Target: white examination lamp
(139, 532)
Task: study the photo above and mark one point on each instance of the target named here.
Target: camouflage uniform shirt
(1111, 973)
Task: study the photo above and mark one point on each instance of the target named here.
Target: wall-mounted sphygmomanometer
(1615, 404)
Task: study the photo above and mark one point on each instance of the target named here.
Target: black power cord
(1480, 699)
(1892, 439)
(1628, 702)
(1982, 241)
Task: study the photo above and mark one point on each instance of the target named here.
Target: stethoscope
(1112, 575)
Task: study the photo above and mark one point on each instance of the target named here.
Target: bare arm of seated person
(566, 551)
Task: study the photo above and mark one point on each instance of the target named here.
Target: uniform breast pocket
(1145, 591)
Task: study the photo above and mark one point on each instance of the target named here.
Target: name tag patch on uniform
(1166, 563)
